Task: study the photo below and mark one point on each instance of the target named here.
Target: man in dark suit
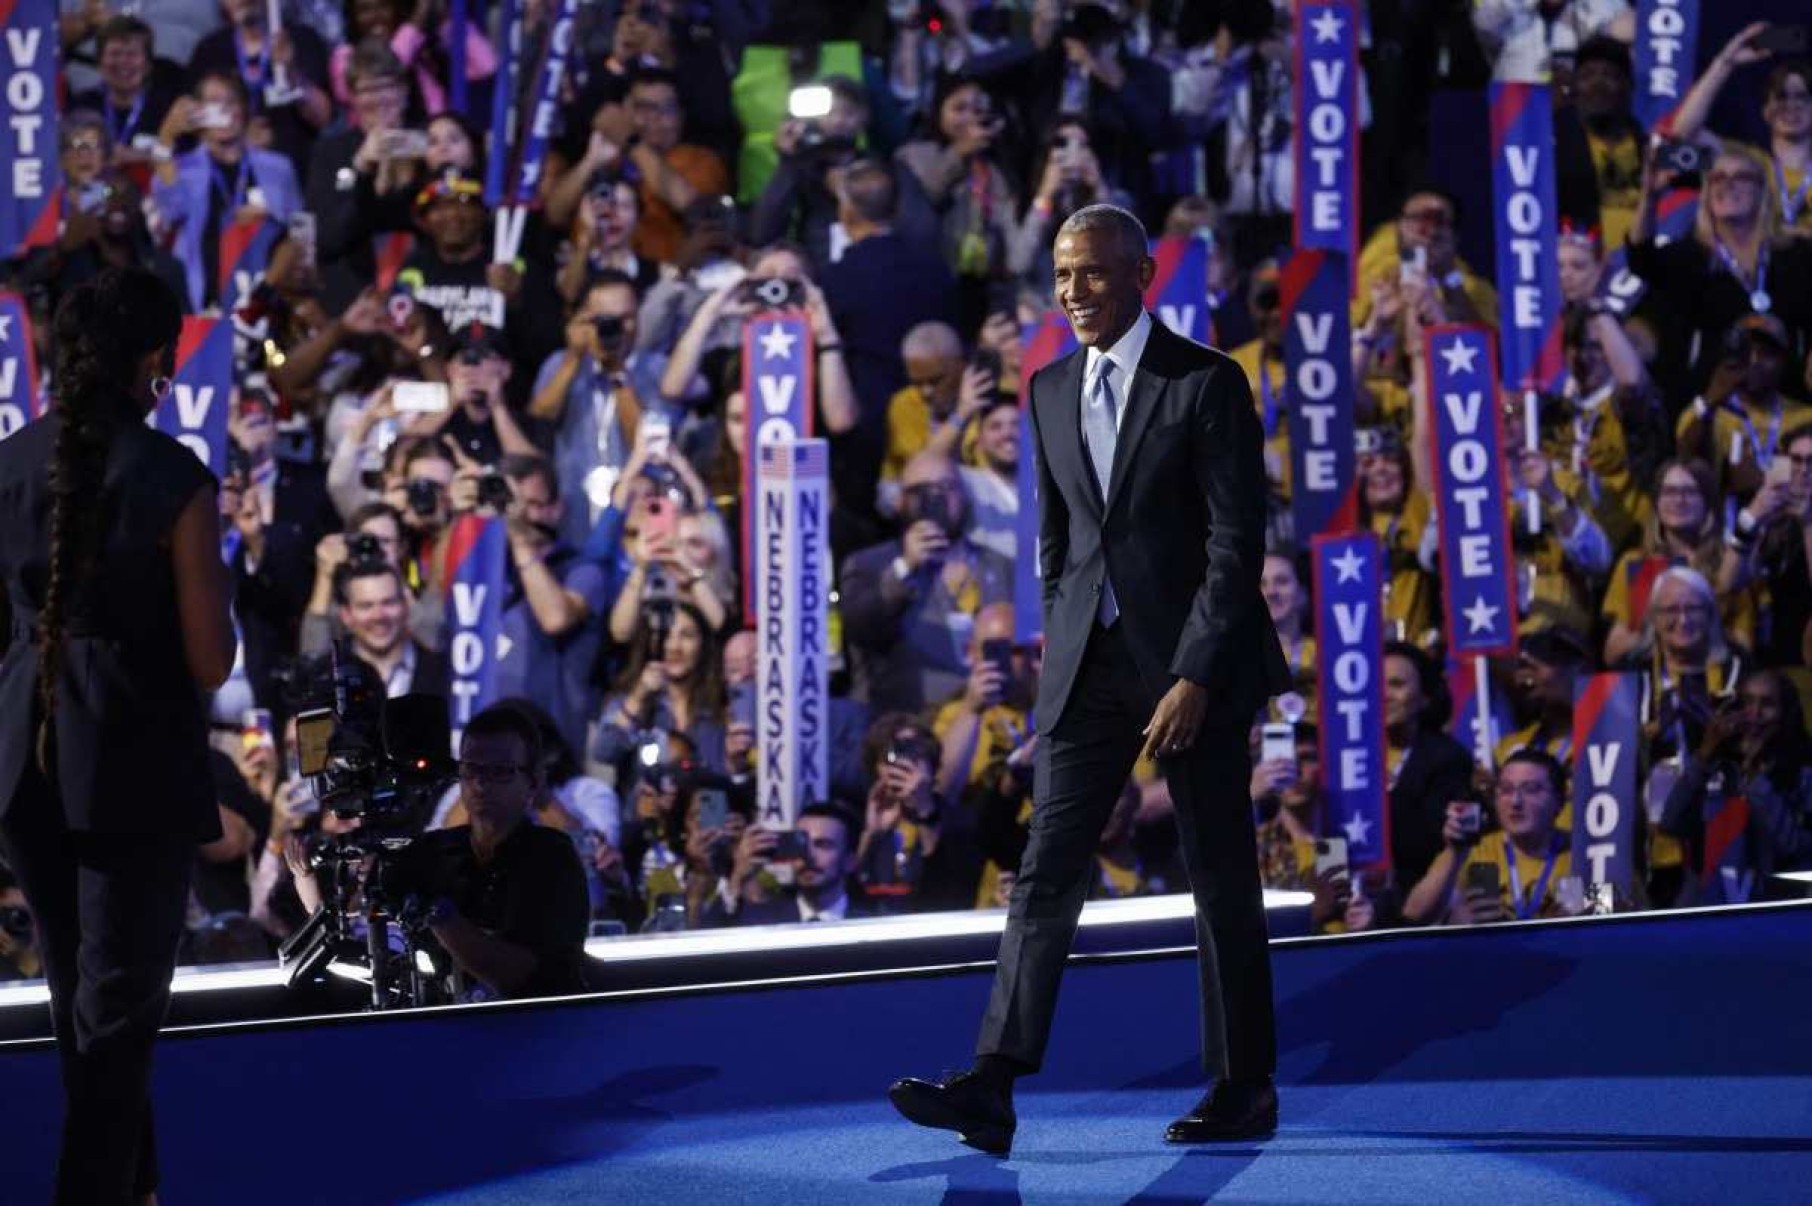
(820, 890)
(1151, 491)
(374, 611)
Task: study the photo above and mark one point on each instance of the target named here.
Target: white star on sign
(1459, 356)
(1481, 616)
(1348, 566)
(777, 342)
(1327, 27)
(1358, 830)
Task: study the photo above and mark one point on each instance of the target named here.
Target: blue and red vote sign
(245, 254)
(504, 93)
(1667, 40)
(477, 548)
(546, 111)
(1606, 732)
(1478, 573)
(1525, 213)
(30, 201)
(1466, 726)
(1327, 126)
(1041, 343)
(1312, 295)
(1179, 287)
(777, 391)
(20, 401)
(201, 394)
(1349, 624)
(1622, 290)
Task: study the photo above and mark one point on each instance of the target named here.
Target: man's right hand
(330, 554)
(984, 687)
(1457, 829)
(1270, 778)
(753, 851)
(582, 338)
(924, 544)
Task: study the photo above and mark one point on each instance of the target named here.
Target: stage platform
(1661, 1057)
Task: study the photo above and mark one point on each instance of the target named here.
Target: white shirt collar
(1125, 354)
(836, 912)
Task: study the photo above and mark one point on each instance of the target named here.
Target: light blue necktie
(1101, 429)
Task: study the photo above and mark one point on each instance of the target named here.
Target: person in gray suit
(1151, 494)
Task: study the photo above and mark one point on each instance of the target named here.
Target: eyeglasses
(489, 772)
(1750, 178)
(1523, 791)
(1682, 611)
(89, 143)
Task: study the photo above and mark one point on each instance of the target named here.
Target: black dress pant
(109, 911)
(1081, 767)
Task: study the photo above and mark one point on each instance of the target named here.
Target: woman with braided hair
(110, 572)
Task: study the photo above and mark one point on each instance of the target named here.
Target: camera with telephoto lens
(364, 548)
(494, 492)
(423, 497)
(610, 328)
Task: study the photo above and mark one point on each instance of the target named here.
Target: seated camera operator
(547, 639)
(1529, 855)
(820, 888)
(506, 898)
(374, 610)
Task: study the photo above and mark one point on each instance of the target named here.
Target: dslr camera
(363, 548)
(1685, 158)
(774, 292)
(495, 493)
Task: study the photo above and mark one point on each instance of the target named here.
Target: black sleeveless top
(131, 746)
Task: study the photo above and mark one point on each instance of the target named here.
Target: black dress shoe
(1228, 1111)
(978, 1110)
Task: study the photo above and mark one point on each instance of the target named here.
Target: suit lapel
(1147, 392)
(1061, 426)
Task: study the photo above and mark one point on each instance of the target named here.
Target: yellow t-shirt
(1761, 431)
(1003, 730)
(1495, 848)
(909, 431)
(1267, 383)
(1411, 592)
(1381, 257)
(1619, 168)
(1738, 610)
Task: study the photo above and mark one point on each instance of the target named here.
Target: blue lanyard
(1764, 457)
(1268, 395)
(1760, 288)
(254, 92)
(1525, 909)
(122, 132)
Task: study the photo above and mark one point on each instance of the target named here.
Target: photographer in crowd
(1514, 871)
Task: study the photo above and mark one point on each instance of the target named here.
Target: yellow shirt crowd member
(1618, 164)
(1759, 428)
(1591, 460)
(1381, 257)
(1266, 376)
(1560, 748)
(1738, 610)
(1526, 882)
(1410, 591)
(909, 427)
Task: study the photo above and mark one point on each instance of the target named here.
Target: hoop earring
(160, 387)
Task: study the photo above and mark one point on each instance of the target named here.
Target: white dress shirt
(1125, 354)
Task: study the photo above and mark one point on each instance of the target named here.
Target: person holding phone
(1786, 109)
(111, 572)
(1511, 873)
(822, 850)
(1778, 532)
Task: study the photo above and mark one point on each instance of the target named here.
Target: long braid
(101, 333)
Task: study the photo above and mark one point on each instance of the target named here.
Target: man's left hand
(1178, 719)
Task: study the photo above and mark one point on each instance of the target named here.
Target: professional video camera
(383, 763)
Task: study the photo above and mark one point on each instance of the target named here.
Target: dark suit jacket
(1436, 771)
(1181, 532)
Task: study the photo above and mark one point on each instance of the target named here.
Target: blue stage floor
(1647, 1059)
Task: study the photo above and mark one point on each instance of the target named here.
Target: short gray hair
(1122, 222)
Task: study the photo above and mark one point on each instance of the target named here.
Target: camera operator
(419, 495)
(505, 898)
(595, 393)
(601, 235)
(546, 635)
(1528, 854)
(820, 888)
(909, 604)
(374, 611)
(477, 421)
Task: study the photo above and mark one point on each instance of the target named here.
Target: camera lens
(423, 497)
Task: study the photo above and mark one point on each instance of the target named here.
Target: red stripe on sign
(393, 250)
(460, 542)
(195, 332)
(233, 243)
(6, 10)
(1169, 257)
(43, 230)
(1297, 273)
(1722, 832)
(1642, 575)
(1345, 518)
(1508, 104)
(1586, 714)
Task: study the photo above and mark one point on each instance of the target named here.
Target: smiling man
(1151, 494)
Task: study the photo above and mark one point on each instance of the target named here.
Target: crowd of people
(904, 205)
